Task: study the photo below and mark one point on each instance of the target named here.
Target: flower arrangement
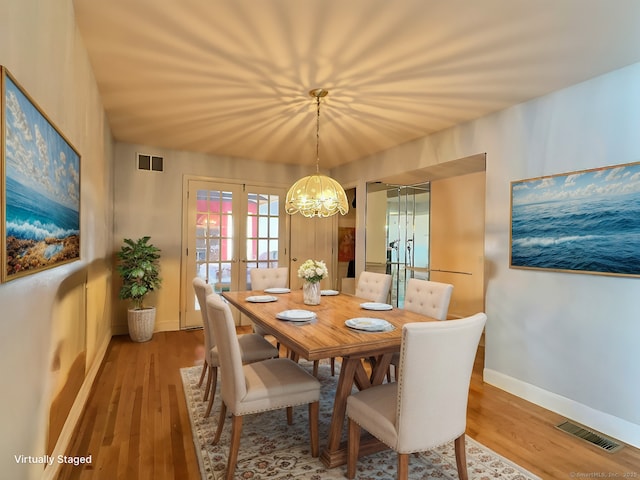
(313, 271)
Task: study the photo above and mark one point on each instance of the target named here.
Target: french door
(229, 229)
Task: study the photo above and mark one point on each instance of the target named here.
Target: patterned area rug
(269, 448)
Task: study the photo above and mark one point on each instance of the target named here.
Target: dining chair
(427, 406)
(263, 278)
(426, 298)
(257, 387)
(373, 286)
(253, 346)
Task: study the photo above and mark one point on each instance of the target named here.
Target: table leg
(343, 390)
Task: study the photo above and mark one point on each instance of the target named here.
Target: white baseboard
(605, 423)
(169, 326)
(51, 471)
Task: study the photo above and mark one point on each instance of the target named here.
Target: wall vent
(597, 439)
(150, 163)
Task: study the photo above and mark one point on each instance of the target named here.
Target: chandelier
(317, 195)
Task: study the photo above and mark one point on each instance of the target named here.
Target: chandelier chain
(318, 135)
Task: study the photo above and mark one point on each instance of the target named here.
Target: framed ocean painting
(581, 222)
(40, 188)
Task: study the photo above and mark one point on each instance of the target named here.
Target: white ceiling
(231, 77)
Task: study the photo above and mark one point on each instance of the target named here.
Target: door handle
(294, 259)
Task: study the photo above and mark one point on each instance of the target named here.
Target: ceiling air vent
(151, 163)
(587, 435)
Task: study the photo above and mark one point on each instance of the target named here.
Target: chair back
(436, 361)
(262, 278)
(428, 298)
(203, 290)
(233, 388)
(373, 286)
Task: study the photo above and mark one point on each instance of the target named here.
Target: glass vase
(311, 293)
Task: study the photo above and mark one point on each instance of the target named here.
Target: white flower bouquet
(313, 271)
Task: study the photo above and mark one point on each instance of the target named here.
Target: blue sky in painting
(36, 155)
(619, 180)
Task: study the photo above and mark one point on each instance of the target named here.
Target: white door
(229, 229)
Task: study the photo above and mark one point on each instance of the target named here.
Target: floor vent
(587, 435)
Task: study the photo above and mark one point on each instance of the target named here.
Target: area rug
(271, 449)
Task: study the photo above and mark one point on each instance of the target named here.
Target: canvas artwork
(582, 222)
(41, 188)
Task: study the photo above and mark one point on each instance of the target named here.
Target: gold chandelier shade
(316, 196)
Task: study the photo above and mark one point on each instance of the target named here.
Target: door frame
(186, 289)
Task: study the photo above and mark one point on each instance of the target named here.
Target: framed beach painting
(40, 187)
(581, 222)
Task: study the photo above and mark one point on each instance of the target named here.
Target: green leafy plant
(139, 268)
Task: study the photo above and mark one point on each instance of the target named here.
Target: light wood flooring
(136, 425)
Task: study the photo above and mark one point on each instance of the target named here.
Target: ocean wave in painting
(39, 231)
(589, 234)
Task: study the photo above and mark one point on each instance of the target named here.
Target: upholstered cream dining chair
(426, 298)
(253, 346)
(257, 387)
(374, 286)
(263, 278)
(275, 277)
(427, 406)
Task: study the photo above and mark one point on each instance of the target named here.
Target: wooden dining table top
(327, 335)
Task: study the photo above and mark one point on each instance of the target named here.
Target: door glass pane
(214, 237)
(262, 231)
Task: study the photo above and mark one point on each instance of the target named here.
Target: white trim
(602, 422)
(51, 471)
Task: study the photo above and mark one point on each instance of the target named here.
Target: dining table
(328, 335)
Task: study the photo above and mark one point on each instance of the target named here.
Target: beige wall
(457, 240)
(546, 331)
(150, 203)
(55, 324)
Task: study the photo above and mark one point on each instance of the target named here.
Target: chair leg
(203, 374)
(315, 367)
(207, 388)
(236, 432)
(403, 466)
(289, 415)
(314, 409)
(353, 448)
(461, 457)
(214, 382)
(223, 413)
(333, 366)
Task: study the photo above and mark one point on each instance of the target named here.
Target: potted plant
(139, 268)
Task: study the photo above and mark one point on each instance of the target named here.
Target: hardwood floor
(136, 425)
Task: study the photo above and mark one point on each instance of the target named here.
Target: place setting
(277, 290)
(261, 298)
(376, 306)
(329, 293)
(367, 324)
(296, 315)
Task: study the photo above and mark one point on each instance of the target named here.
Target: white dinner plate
(376, 306)
(277, 290)
(329, 292)
(296, 315)
(369, 324)
(261, 298)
